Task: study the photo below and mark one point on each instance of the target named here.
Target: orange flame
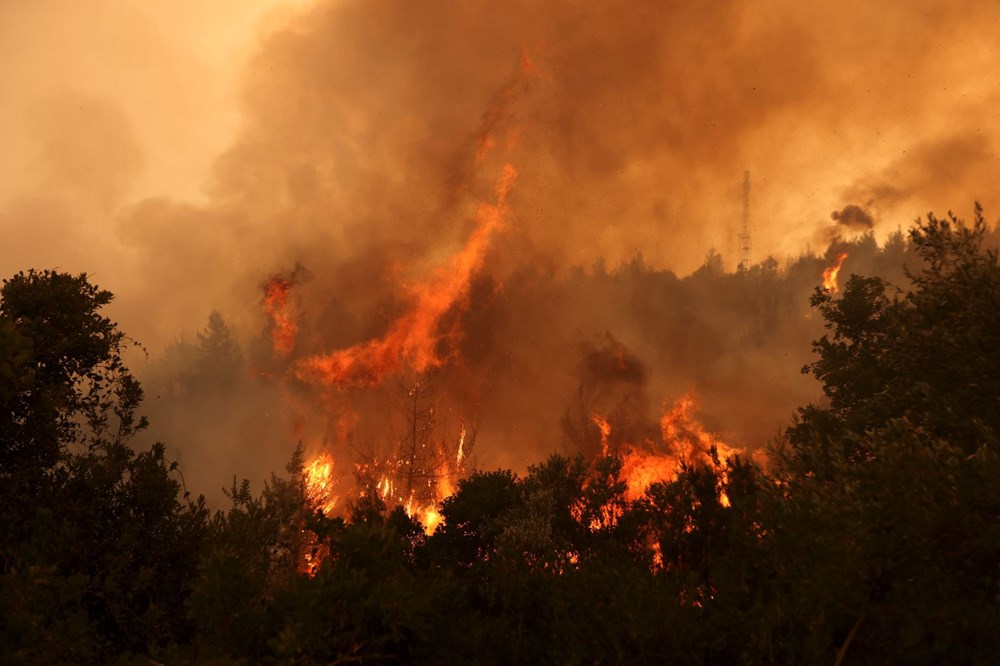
(320, 496)
(319, 483)
(413, 339)
(830, 274)
(685, 438)
(461, 447)
(605, 428)
(312, 554)
(421, 503)
(283, 326)
(682, 431)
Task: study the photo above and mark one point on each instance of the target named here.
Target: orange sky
(183, 151)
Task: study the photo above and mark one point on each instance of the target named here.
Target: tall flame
(460, 456)
(413, 339)
(320, 495)
(830, 274)
(605, 427)
(277, 306)
(319, 483)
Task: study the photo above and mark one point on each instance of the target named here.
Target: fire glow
(684, 440)
(320, 484)
(284, 329)
(412, 341)
(830, 274)
(422, 467)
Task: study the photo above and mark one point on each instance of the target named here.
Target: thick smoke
(854, 217)
(356, 157)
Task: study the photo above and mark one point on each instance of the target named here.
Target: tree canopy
(872, 534)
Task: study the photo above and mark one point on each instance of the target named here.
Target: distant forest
(533, 360)
(869, 532)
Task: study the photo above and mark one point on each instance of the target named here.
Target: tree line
(872, 535)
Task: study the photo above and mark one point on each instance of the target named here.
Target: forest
(868, 532)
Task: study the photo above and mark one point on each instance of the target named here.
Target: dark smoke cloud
(853, 216)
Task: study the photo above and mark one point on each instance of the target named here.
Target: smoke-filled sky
(179, 151)
(184, 152)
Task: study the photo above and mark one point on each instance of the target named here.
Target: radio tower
(745, 231)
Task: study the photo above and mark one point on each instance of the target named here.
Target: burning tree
(610, 408)
(422, 465)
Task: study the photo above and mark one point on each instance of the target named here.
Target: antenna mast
(745, 231)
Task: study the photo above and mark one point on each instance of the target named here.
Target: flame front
(418, 487)
(685, 440)
(830, 274)
(319, 484)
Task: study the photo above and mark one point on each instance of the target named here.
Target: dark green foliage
(111, 553)
(251, 550)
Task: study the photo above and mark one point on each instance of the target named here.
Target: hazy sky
(182, 151)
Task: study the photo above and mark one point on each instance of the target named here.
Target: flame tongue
(283, 327)
(605, 427)
(685, 440)
(460, 456)
(413, 339)
(830, 274)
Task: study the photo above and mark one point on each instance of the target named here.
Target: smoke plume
(360, 139)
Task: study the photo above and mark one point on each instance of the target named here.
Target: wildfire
(682, 431)
(831, 272)
(418, 486)
(461, 447)
(424, 469)
(684, 438)
(319, 491)
(276, 305)
(319, 483)
(419, 479)
(413, 340)
(605, 428)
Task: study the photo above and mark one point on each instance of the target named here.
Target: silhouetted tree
(219, 359)
(66, 382)
(931, 356)
(97, 544)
